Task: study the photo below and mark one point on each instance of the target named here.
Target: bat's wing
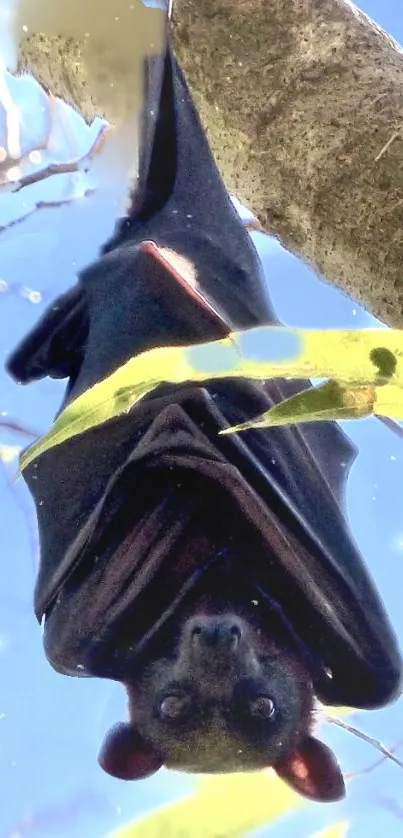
(56, 347)
(130, 513)
(153, 76)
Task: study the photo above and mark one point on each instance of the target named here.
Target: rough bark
(302, 102)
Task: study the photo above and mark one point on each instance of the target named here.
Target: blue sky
(51, 727)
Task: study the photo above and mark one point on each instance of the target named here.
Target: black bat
(214, 576)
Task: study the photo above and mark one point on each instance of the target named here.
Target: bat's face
(223, 700)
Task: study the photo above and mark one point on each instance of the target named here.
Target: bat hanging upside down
(214, 576)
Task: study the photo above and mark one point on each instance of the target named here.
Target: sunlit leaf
(113, 396)
(329, 401)
(227, 806)
(366, 360)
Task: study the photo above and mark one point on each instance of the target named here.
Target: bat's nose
(217, 632)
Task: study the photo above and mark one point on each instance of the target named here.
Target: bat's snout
(220, 633)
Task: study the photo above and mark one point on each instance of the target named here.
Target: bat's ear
(312, 770)
(55, 346)
(125, 755)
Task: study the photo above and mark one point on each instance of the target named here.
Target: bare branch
(391, 805)
(374, 765)
(77, 165)
(43, 205)
(365, 737)
(16, 427)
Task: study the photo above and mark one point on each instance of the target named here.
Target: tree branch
(303, 106)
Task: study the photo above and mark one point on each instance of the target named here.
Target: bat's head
(223, 700)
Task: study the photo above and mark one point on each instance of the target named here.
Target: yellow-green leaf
(365, 358)
(228, 806)
(328, 401)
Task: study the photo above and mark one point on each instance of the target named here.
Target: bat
(215, 577)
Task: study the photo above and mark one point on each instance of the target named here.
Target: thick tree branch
(303, 105)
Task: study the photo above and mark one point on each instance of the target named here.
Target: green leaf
(329, 401)
(228, 806)
(371, 359)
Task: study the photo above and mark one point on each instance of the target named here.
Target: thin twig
(374, 765)
(391, 425)
(45, 205)
(12, 162)
(386, 146)
(391, 806)
(365, 737)
(64, 168)
(13, 425)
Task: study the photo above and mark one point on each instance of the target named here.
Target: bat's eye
(174, 707)
(262, 707)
